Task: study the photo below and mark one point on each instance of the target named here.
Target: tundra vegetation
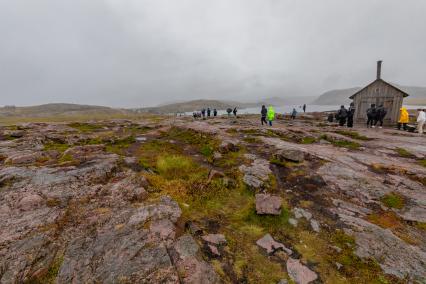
(332, 215)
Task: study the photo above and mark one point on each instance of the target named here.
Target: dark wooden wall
(378, 93)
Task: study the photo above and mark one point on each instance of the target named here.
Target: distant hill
(58, 109)
(195, 105)
(338, 97)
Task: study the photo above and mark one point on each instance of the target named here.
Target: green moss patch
(61, 147)
(422, 162)
(404, 153)
(85, 127)
(353, 135)
(308, 140)
(341, 143)
(120, 145)
(205, 144)
(393, 200)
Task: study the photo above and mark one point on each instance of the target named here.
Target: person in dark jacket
(214, 112)
(235, 111)
(304, 107)
(342, 114)
(371, 115)
(203, 112)
(208, 112)
(380, 115)
(293, 114)
(263, 114)
(351, 112)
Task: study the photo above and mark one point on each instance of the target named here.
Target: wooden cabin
(378, 92)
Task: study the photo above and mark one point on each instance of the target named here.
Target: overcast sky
(137, 53)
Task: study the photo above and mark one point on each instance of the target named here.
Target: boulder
(30, 202)
(268, 204)
(190, 266)
(292, 155)
(299, 273)
(257, 174)
(300, 212)
(270, 245)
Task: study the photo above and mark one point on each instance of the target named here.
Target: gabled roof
(398, 89)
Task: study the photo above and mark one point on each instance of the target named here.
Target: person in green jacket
(271, 115)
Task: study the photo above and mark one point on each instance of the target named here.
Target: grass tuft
(175, 166)
(353, 135)
(308, 140)
(404, 153)
(393, 200)
(341, 143)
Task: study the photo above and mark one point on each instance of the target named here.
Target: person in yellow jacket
(403, 118)
(271, 115)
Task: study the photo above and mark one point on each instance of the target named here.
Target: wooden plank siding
(378, 92)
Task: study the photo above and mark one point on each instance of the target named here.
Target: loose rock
(300, 273)
(268, 204)
(270, 245)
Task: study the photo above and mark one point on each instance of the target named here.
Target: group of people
(344, 116)
(204, 112)
(267, 115)
(375, 115)
(404, 118)
(208, 113)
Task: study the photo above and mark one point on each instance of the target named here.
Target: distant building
(379, 92)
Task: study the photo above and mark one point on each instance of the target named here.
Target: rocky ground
(172, 200)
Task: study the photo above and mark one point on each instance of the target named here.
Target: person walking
(304, 107)
(421, 119)
(214, 112)
(404, 118)
(263, 114)
(235, 111)
(342, 114)
(380, 115)
(208, 112)
(271, 115)
(351, 113)
(371, 115)
(293, 114)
